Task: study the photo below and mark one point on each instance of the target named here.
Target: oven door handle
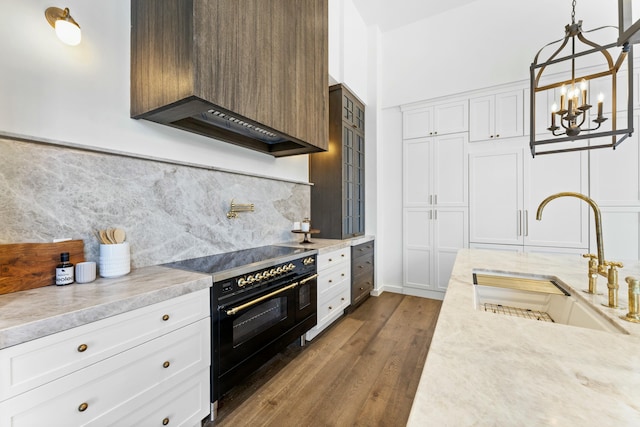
(234, 310)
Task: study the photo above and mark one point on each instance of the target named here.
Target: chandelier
(573, 124)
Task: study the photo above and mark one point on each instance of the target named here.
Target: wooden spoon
(119, 235)
(103, 237)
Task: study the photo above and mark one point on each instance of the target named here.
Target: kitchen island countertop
(34, 313)
(485, 369)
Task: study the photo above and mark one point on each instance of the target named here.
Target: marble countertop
(329, 245)
(484, 369)
(31, 314)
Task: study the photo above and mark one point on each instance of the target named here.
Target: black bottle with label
(64, 270)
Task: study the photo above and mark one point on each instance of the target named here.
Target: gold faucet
(604, 268)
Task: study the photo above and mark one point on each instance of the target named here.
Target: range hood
(254, 74)
(201, 117)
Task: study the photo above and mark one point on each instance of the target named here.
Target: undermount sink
(542, 298)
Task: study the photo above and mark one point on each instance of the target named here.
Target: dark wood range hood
(250, 72)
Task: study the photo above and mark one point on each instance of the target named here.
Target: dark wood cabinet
(259, 67)
(362, 272)
(337, 196)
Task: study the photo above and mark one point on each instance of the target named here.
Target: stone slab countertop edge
(32, 314)
(329, 245)
(494, 370)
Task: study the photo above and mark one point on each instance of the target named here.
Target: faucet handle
(613, 264)
(590, 256)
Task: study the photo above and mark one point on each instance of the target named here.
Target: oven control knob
(259, 277)
(273, 272)
(290, 267)
(250, 279)
(279, 270)
(241, 282)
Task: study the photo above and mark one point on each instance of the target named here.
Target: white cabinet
(435, 171)
(104, 372)
(334, 288)
(496, 116)
(506, 188)
(435, 218)
(439, 119)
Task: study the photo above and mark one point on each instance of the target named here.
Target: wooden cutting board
(33, 265)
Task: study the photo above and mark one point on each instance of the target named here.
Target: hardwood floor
(362, 371)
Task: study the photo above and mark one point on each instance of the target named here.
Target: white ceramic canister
(115, 260)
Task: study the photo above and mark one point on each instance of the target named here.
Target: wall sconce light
(67, 29)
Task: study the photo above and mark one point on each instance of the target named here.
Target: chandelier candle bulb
(583, 87)
(600, 99)
(554, 110)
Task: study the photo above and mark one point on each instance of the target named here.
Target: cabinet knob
(342, 274)
(330, 260)
(490, 136)
(330, 308)
(83, 406)
(165, 317)
(330, 281)
(166, 364)
(342, 299)
(82, 348)
(165, 421)
(498, 136)
(342, 255)
(361, 288)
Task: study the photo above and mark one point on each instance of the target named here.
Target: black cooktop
(230, 264)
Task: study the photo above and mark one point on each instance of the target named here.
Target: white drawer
(184, 405)
(334, 308)
(29, 365)
(328, 259)
(110, 388)
(333, 277)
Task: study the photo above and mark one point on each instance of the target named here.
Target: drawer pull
(342, 299)
(360, 266)
(166, 364)
(165, 421)
(342, 255)
(361, 288)
(165, 317)
(330, 281)
(368, 262)
(330, 260)
(82, 348)
(342, 274)
(83, 406)
(330, 308)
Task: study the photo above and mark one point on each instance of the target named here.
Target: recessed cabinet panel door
(509, 114)
(564, 220)
(417, 123)
(481, 118)
(417, 158)
(417, 243)
(450, 118)
(495, 201)
(620, 234)
(450, 235)
(615, 176)
(450, 164)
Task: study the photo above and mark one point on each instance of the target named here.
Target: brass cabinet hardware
(330, 308)
(82, 348)
(166, 364)
(83, 406)
(526, 222)
(165, 317)
(165, 421)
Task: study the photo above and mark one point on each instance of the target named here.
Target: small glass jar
(305, 226)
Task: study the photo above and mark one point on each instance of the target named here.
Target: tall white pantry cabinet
(465, 186)
(435, 196)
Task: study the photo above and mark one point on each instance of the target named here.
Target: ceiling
(389, 15)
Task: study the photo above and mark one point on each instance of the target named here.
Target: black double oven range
(262, 300)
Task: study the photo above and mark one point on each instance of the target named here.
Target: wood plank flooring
(362, 371)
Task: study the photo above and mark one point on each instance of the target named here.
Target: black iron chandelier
(573, 124)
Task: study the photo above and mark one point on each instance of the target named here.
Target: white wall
(483, 44)
(81, 94)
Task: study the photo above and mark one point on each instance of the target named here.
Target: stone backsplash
(169, 211)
